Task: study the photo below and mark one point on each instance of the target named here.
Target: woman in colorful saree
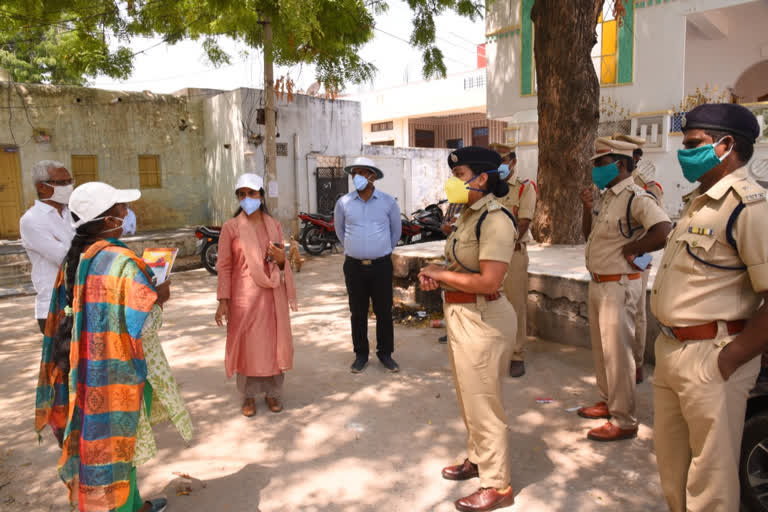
(255, 291)
(104, 378)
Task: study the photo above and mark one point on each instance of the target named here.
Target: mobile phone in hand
(642, 261)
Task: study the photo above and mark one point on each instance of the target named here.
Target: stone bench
(557, 290)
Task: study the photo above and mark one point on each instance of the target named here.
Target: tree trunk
(270, 125)
(568, 107)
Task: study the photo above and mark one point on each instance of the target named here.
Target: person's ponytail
(500, 189)
(63, 335)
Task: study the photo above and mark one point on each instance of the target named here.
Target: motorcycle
(317, 233)
(208, 246)
(430, 221)
(410, 231)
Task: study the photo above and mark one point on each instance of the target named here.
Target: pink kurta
(259, 340)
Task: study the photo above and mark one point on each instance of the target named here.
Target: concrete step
(15, 267)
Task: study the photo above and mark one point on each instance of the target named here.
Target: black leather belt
(368, 263)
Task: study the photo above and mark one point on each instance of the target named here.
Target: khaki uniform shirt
(688, 292)
(521, 201)
(609, 220)
(653, 187)
(463, 251)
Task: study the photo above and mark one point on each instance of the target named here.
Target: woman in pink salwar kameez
(255, 291)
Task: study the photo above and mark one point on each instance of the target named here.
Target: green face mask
(696, 162)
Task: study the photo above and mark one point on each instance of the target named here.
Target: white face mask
(61, 193)
(120, 227)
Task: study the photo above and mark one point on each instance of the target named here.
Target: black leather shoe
(516, 369)
(443, 339)
(463, 471)
(359, 365)
(388, 363)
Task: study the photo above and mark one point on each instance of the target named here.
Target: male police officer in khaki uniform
(626, 224)
(643, 176)
(521, 201)
(710, 297)
(480, 321)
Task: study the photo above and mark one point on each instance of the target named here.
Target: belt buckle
(366, 262)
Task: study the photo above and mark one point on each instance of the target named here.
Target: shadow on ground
(346, 443)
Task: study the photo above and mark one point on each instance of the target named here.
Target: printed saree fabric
(94, 412)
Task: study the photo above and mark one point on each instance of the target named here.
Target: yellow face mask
(456, 191)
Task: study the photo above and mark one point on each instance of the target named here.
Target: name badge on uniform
(701, 231)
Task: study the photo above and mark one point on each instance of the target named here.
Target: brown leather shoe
(639, 377)
(595, 412)
(463, 471)
(610, 432)
(274, 404)
(249, 407)
(486, 498)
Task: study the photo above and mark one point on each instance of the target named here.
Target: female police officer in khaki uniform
(481, 322)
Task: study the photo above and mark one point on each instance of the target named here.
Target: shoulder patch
(749, 191)
(639, 191)
(494, 205)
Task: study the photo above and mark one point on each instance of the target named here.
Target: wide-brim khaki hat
(638, 141)
(364, 163)
(90, 200)
(502, 149)
(608, 146)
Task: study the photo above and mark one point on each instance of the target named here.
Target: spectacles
(60, 183)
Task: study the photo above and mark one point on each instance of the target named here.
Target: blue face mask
(360, 182)
(504, 171)
(696, 162)
(250, 205)
(603, 175)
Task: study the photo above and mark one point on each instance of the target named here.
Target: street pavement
(348, 443)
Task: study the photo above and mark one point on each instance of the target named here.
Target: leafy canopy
(68, 41)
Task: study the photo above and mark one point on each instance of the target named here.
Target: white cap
(90, 200)
(250, 180)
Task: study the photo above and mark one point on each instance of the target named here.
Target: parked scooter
(208, 246)
(317, 233)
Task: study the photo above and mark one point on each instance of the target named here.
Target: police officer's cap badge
(454, 158)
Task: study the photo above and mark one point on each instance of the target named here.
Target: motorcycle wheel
(210, 256)
(753, 467)
(312, 240)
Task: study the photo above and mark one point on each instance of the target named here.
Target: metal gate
(332, 182)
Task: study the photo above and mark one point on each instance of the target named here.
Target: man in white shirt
(46, 230)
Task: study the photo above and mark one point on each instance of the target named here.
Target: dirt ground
(369, 442)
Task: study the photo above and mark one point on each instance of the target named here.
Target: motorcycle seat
(326, 218)
(210, 230)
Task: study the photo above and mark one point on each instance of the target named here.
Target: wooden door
(10, 192)
(85, 168)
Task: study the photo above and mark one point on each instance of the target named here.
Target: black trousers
(370, 283)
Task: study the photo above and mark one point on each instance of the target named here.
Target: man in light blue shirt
(368, 225)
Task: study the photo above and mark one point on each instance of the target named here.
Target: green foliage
(67, 41)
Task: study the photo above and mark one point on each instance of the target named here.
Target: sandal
(249, 407)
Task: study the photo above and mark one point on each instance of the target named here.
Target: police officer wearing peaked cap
(481, 322)
(521, 201)
(710, 298)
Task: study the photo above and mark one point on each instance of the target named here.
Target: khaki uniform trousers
(698, 424)
(641, 322)
(479, 341)
(612, 308)
(516, 291)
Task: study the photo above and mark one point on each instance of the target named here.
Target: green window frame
(616, 61)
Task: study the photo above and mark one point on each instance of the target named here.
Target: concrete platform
(15, 266)
(557, 290)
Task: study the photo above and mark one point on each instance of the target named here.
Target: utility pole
(270, 125)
